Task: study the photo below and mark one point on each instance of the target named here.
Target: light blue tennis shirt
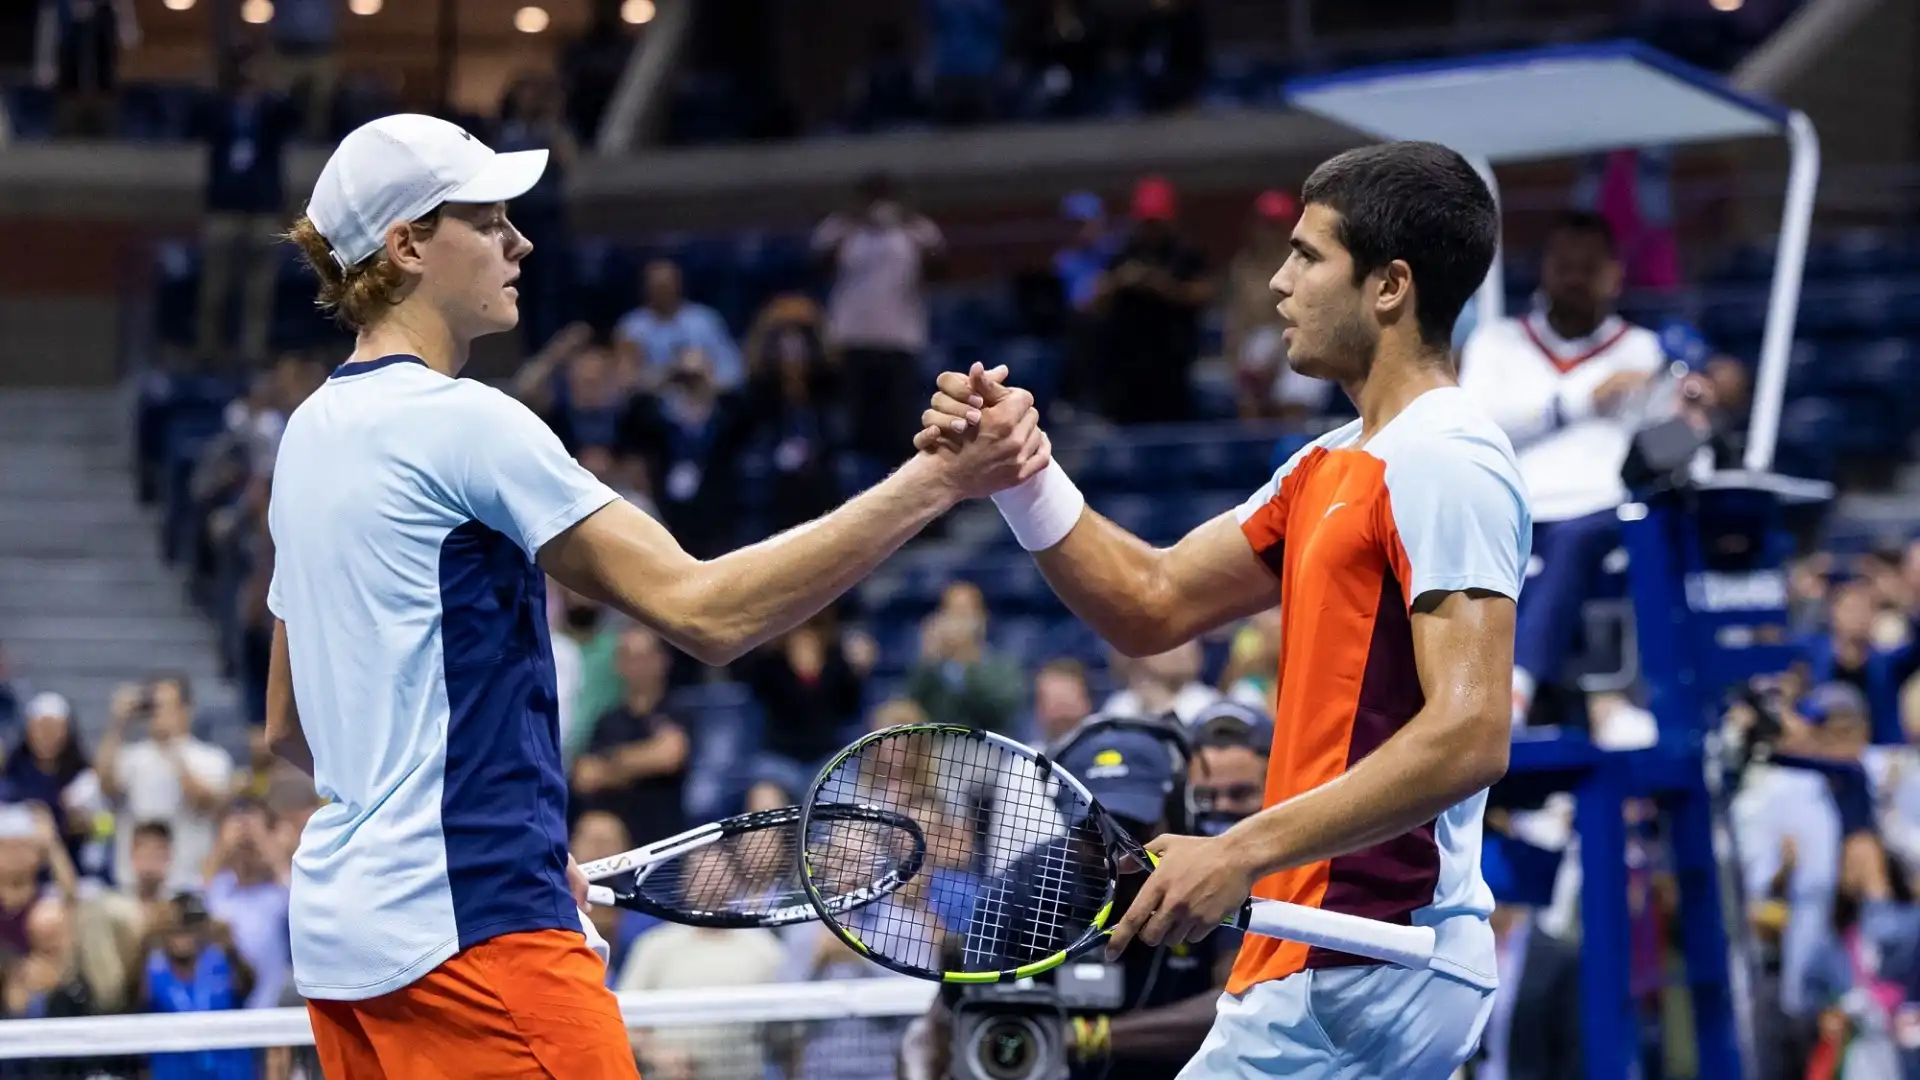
(407, 508)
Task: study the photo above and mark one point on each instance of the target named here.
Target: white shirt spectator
(146, 773)
(1539, 387)
(1188, 702)
(877, 301)
(675, 957)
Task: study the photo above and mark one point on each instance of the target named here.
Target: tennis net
(847, 1029)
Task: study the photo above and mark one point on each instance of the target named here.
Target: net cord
(113, 1036)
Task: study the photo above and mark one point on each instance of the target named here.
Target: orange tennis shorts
(516, 1007)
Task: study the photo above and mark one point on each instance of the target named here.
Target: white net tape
(846, 1029)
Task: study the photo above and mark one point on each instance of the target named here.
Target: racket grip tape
(1407, 946)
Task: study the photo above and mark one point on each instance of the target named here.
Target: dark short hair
(1585, 223)
(1421, 203)
(178, 679)
(153, 830)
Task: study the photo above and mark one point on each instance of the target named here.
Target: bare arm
(718, 609)
(284, 736)
(202, 796)
(1145, 600)
(1452, 748)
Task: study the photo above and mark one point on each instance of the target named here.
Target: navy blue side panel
(503, 808)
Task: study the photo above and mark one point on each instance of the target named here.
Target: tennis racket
(1042, 857)
(740, 872)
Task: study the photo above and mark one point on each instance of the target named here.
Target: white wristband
(1042, 509)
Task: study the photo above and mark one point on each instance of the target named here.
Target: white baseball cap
(399, 167)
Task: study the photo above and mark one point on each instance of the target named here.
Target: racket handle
(599, 896)
(1407, 946)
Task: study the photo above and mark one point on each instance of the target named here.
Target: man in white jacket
(1569, 382)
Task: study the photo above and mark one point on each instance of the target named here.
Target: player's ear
(403, 247)
(1395, 293)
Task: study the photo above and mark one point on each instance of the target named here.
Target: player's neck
(414, 330)
(1399, 374)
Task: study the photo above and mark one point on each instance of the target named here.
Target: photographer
(192, 966)
(1162, 1000)
(1227, 779)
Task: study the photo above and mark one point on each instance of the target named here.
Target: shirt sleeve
(1263, 516)
(518, 479)
(1457, 518)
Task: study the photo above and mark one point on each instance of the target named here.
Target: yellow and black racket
(1021, 867)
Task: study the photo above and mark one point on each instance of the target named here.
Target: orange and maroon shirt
(1433, 502)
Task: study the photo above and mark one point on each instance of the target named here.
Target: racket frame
(1113, 836)
(643, 861)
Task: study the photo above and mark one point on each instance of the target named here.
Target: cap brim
(507, 177)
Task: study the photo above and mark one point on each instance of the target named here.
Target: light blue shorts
(1360, 1023)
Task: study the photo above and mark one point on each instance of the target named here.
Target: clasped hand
(986, 432)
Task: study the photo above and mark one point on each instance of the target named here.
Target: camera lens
(1008, 1048)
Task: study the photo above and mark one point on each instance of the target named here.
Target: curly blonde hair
(358, 295)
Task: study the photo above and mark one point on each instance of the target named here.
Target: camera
(1009, 1033)
(1020, 1032)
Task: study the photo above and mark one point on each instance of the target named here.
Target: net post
(1783, 300)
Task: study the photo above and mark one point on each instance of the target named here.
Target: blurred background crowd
(740, 378)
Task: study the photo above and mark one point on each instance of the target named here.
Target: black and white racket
(743, 872)
(1037, 860)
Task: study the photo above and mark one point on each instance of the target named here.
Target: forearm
(1430, 765)
(659, 756)
(198, 795)
(724, 607)
(1169, 1033)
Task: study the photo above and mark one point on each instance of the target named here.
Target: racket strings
(752, 877)
(1014, 871)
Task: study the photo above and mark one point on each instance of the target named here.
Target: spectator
(306, 34)
(1569, 382)
(1150, 301)
(533, 117)
(635, 767)
(689, 437)
(247, 891)
(1079, 266)
(1227, 778)
(246, 131)
(880, 253)
(146, 891)
(77, 51)
(169, 776)
(1846, 653)
(50, 981)
(677, 957)
(29, 848)
(810, 684)
(1253, 661)
(965, 62)
(10, 695)
(1267, 386)
(658, 331)
(1068, 45)
(792, 392)
(1169, 53)
(584, 643)
(591, 66)
(48, 766)
(958, 681)
(192, 966)
(884, 92)
(1060, 699)
(1162, 684)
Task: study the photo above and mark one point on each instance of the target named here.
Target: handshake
(981, 435)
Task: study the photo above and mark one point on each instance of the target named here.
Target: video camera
(1015, 1032)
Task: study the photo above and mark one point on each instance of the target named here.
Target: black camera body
(1015, 1032)
(1009, 1033)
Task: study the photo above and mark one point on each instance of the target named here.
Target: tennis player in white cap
(435, 914)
